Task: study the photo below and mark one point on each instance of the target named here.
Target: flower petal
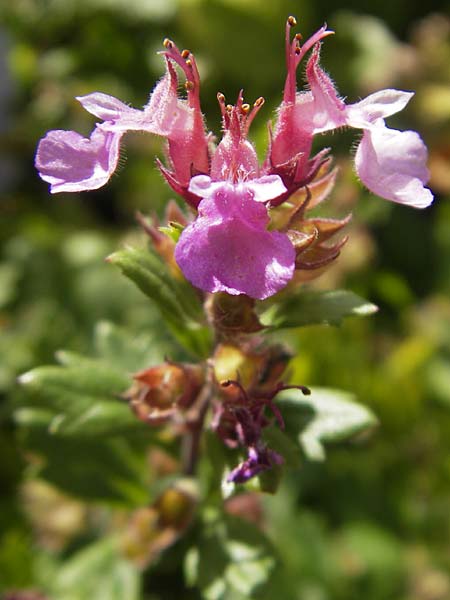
(266, 188)
(379, 105)
(392, 164)
(103, 106)
(72, 163)
(228, 249)
(328, 110)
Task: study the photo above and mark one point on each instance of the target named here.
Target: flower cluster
(228, 246)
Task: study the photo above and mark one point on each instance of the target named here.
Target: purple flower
(260, 458)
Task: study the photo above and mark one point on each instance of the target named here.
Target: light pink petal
(103, 106)
(164, 107)
(72, 163)
(379, 105)
(266, 188)
(392, 164)
(228, 249)
(202, 186)
(328, 110)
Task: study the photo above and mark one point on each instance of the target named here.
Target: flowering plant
(230, 273)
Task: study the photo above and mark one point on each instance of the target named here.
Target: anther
(220, 97)
(229, 107)
(298, 36)
(245, 108)
(189, 62)
(185, 53)
(189, 85)
(298, 50)
(259, 102)
(167, 43)
(292, 21)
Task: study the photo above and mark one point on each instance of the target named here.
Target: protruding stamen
(221, 101)
(186, 61)
(229, 108)
(292, 21)
(298, 37)
(245, 108)
(252, 114)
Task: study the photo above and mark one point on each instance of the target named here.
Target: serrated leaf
(83, 399)
(312, 308)
(176, 300)
(327, 415)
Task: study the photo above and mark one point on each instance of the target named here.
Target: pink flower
(228, 247)
(391, 163)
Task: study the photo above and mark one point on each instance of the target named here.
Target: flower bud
(162, 393)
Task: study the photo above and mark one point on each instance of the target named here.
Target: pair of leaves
(176, 299)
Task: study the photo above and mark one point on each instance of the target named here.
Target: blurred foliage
(370, 522)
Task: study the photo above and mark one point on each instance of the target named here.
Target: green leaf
(233, 560)
(327, 415)
(176, 299)
(98, 571)
(82, 399)
(311, 308)
(119, 348)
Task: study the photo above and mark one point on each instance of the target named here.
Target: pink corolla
(229, 246)
(390, 163)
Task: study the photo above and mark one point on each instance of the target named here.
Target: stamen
(189, 68)
(292, 21)
(189, 85)
(245, 108)
(252, 114)
(221, 101)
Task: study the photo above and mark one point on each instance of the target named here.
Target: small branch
(190, 442)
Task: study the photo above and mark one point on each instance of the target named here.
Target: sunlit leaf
(327, 415)
(311, 308)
